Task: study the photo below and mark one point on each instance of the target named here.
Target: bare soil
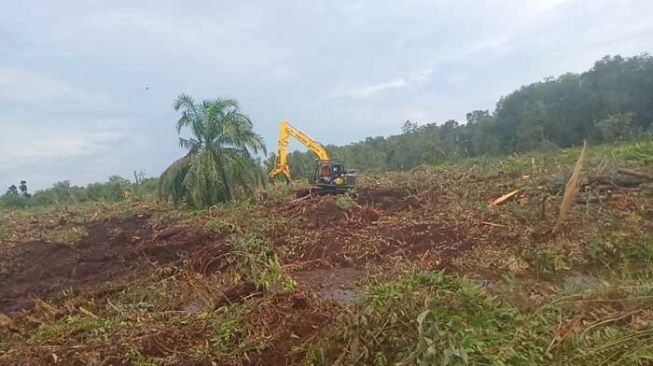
(112, 250)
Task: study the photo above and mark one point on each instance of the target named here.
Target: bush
(617, 127)
(13, 201)
(260, 264)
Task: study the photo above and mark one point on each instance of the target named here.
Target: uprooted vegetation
(416, 267)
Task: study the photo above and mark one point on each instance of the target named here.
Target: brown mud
(112, 250)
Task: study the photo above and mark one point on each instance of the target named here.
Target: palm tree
(219, 160)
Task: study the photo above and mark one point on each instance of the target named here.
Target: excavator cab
(330, 176)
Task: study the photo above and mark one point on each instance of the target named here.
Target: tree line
(611, 101)
(115, 189)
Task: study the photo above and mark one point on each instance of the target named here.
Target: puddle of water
(191, 307)
(334, 284)
(340, 295)
(576, 284)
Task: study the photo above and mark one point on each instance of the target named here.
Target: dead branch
(492, 224)
(504, 198)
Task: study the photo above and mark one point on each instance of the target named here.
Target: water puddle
(333, 284)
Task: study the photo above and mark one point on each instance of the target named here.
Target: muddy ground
(112, 250)
(373, 230)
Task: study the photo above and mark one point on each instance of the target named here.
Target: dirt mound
(318, 212)
(326, 213)
(338, 247)
(112, 250)
(388, 199)
(291, 320)
(416, 239)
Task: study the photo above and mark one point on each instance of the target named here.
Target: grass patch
(641, 152)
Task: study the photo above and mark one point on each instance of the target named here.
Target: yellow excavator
(329, 176)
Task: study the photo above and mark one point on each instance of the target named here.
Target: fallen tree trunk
(626, 182)
(636, 174)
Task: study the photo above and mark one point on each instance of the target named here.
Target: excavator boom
(285, 132)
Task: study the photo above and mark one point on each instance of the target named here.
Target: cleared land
(415, 267)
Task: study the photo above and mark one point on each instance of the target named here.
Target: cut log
(625, 182)
(636, 174)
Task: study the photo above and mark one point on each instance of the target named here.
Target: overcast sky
(86, 87)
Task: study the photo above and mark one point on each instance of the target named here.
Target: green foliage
(640, 152)
(14, 201)
(618, 127)
(345, 201)
(73, 326)
(258, 263)
(219, 163)
(228, 325)
(63, 194)
(279, 193)
(435, 319)
(608, 252)
(135, 355)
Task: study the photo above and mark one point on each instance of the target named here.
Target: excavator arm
(286, 131)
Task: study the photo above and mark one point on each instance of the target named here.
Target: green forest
(612, 101)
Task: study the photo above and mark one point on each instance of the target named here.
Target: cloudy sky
(86, 87)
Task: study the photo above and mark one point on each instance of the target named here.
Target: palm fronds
(219, 158)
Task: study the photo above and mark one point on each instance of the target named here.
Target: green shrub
(14, 201)
(258, 263)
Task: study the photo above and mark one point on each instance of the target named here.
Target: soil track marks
(113, 249)
(373, 230)
(418, 238)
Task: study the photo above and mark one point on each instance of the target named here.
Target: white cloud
(616, 33)
(370, 90)
(373, 89)
(34, 88)
(549, 4)
(53, 145)
(485, 45)
(82, 156)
